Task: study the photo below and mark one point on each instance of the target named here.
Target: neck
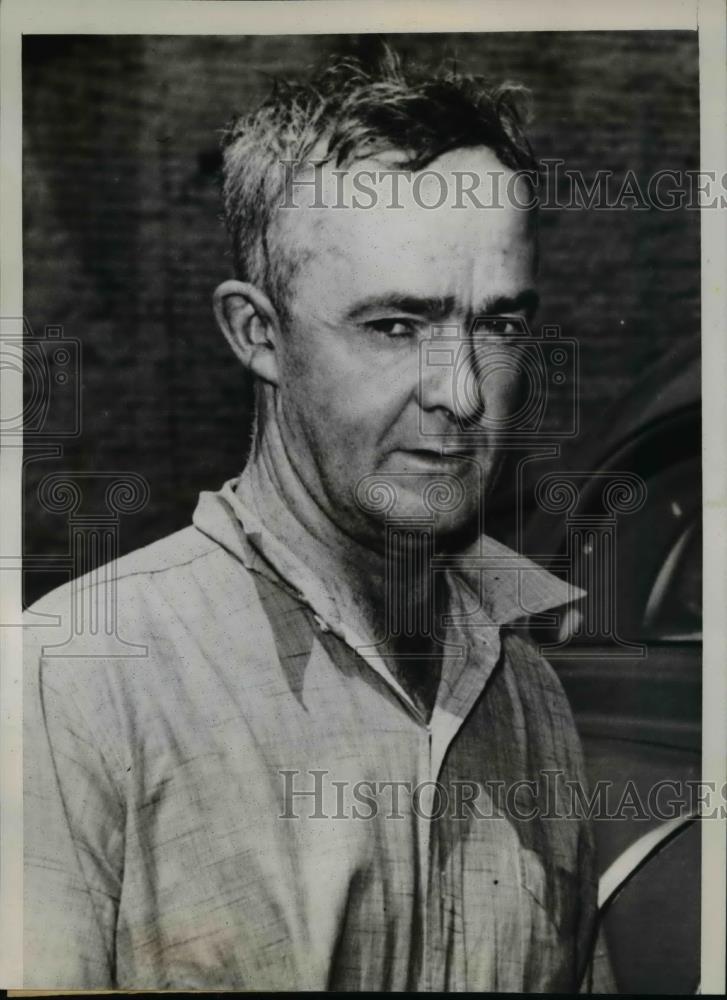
(354, 574)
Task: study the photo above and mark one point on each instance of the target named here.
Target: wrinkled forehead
(465, 212)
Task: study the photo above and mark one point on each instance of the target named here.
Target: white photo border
(280, 17)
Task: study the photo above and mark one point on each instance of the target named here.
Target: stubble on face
(354, 404)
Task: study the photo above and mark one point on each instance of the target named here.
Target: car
(618, 513)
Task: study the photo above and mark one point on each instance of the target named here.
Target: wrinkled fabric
(224, 789)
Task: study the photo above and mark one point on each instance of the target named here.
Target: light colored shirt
(179, 702)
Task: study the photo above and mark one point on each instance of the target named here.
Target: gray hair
(355, 111)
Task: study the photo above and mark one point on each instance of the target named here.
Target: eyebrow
(525, 302)
(433, 307)
(439, 307)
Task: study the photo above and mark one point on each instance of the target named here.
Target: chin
(456, 534)
(451, 503)
(452, 530)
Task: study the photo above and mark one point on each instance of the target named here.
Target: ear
(250, 323)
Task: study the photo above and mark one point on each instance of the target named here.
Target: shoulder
(546, 708)
(144, 611)
(145, 642)
(181, 568)
(167, 555)
(534, 673)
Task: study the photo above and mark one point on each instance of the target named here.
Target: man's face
(358, 397)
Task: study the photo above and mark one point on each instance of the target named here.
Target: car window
(643, 571)
(674, 607)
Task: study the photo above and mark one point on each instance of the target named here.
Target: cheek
(500, 381)
(321, 411)
(511, 391)
(343, 393)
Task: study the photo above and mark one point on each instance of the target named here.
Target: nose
(451, 380)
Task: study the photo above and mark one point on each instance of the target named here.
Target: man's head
(339, 291)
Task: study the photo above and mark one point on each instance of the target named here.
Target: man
(296, 761)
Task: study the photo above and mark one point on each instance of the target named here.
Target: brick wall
(124, 245)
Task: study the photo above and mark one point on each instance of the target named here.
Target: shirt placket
(463, 681)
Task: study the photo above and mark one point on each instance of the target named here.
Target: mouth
(439, 458)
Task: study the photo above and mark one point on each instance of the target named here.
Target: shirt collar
(509, 585)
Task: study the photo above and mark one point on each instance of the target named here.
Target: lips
(423, 452)
(428, 458)
(444, 451)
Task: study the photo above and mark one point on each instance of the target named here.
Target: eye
(395, 327)
(503, 326)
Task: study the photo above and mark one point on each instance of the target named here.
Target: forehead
(422, 229)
